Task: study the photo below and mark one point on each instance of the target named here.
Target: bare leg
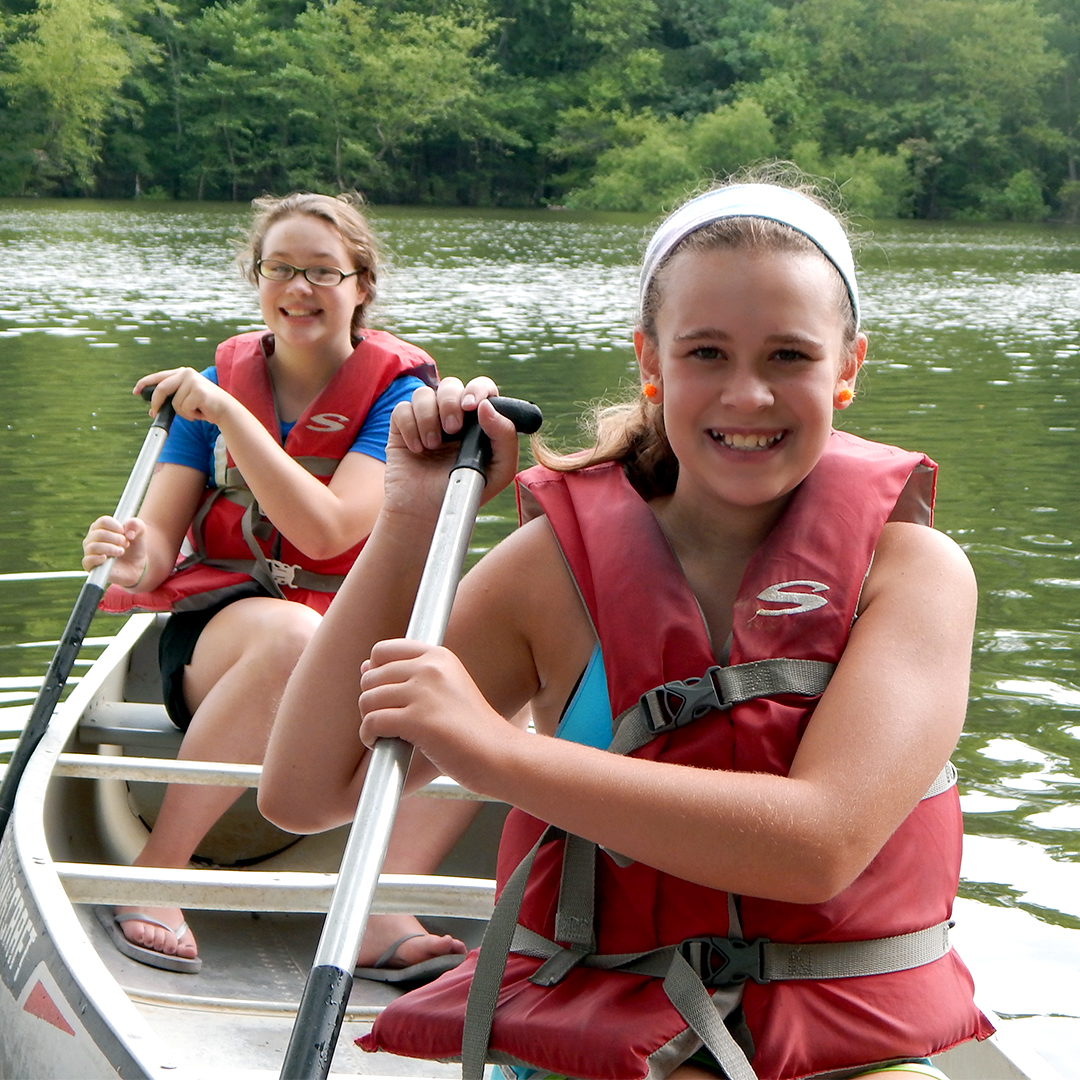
(236, 677)
(424, 831)
(237, 674)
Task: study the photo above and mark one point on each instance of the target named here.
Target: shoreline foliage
(917, 108)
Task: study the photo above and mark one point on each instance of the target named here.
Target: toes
(424, 948)
(159, 939)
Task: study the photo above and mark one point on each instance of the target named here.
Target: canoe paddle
(326, 992)
(79, 621)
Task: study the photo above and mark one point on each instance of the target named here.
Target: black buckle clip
(721, 961)
(681, 702)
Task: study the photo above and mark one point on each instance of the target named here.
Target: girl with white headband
(736, 838)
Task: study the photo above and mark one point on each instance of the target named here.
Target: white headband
(758, 201)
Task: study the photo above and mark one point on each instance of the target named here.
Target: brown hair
(632, 432)
(344, 212)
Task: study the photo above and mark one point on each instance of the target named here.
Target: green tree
(64, 76)
(235, 129)
(708, 49)
(367, 88)
(1021, 199)
(1063, 95)
(958, 83)
(731, 136)
(650, 171)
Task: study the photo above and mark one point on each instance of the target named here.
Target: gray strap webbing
(694, 1004)
(676, 704)
(260, 569)
(574, 922)
(317, 466)
(253, 525)
(847, 959)
(491, 963)
(574, 919)
(263, 570)
(298, 576)
(766, 961)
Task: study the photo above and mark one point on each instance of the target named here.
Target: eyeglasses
(273, 270)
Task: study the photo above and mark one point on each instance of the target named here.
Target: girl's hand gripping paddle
(326, 993)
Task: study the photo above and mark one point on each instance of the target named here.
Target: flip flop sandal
(416, 974)
(111, 922)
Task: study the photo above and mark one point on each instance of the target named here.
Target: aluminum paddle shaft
(326, 993)
(67, 650)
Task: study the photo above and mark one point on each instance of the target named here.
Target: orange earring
(844, 397)
(649, 390)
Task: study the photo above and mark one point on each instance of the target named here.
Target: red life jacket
(797, 600)
(233, 543)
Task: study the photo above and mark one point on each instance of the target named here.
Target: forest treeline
(918, 108)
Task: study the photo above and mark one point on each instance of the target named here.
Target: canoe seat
(129, 723)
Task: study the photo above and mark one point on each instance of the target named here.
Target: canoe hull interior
(71, 1006)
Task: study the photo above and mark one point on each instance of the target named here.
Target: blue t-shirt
(191, 442)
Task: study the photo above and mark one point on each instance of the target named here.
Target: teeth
(294, 311)
(747, 442)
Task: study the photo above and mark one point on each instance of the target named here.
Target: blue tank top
(587, 717)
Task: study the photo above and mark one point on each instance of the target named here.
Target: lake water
(975, 359)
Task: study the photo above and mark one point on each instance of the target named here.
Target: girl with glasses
(736, 837)
(273, 473)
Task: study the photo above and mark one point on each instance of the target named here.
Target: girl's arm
(881, 733)
(314, 762)
(322, 520)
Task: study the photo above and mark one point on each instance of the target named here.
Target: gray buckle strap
(558, 966)
(682, 701)
(694, 1004)
(768, 678)
(848, 959)
(720, 961)
(261, 570)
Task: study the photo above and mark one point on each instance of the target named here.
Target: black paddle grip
(475, 450)
(318, 1023)
(165, 414)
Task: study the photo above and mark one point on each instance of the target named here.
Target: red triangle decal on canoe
(40, 1004)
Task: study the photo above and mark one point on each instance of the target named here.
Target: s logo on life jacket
(327, 421)
(802, 601)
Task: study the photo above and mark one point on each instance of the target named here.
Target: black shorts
(177, 645)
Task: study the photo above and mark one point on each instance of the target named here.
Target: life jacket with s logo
(233, 543)
(608, 968)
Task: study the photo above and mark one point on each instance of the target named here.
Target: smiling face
(749, 351)
(313, 320)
